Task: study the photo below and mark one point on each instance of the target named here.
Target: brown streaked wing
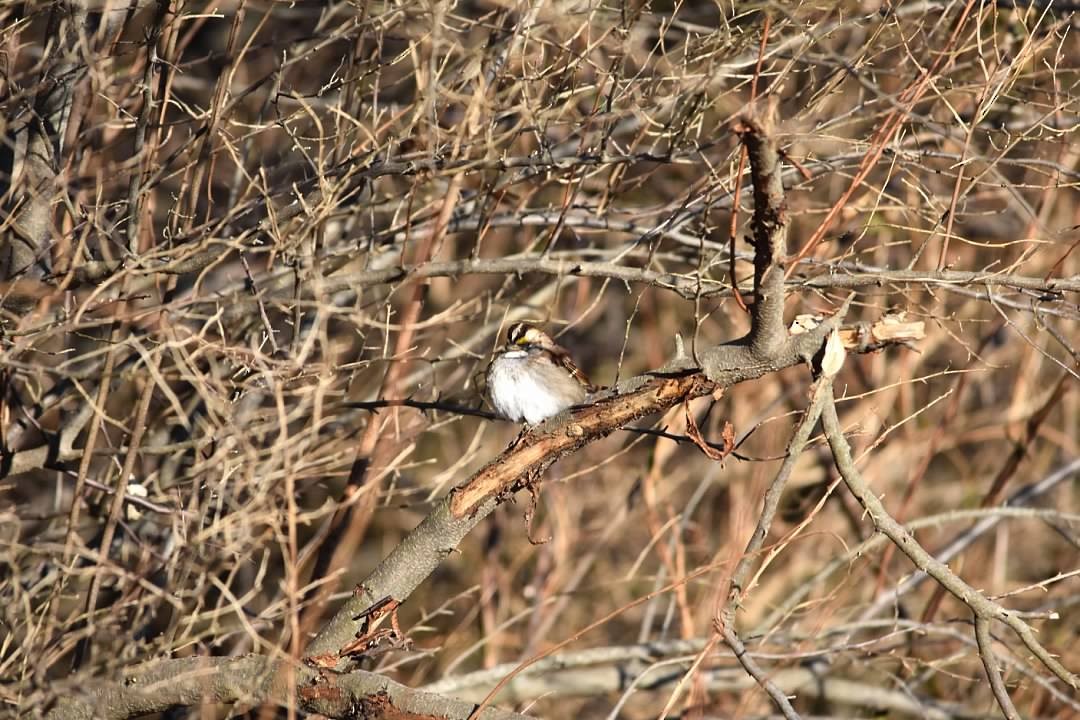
(563, 359)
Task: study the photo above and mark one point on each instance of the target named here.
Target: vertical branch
(769, 225)
(138, 429)
(993, 672)
(141, 150)
(24, 251)
(741, 576)
(724, 621)
(734, 228)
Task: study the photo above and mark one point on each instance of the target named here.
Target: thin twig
(993, 672)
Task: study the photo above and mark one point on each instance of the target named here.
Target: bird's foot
(525, 430)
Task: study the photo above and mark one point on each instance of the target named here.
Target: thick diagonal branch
(438, 535)
(160, 685)
(770, 349)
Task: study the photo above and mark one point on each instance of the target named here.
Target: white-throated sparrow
(532, 378)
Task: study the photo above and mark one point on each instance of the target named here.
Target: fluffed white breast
(523, 390)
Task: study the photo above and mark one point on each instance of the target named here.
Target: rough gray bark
(159, 685)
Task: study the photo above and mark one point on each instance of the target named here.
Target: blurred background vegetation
(227, 223)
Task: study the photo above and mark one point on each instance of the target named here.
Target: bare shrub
(256, 255)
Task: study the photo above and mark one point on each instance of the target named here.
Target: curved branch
(980, 605)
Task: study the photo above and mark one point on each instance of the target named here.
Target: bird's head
(523, 334)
